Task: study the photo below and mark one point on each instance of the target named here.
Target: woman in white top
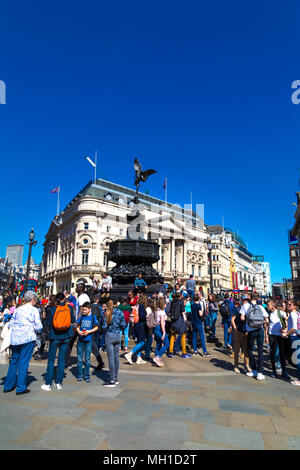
(24, 325)
(161, 337)
(277, 323)
(292, 332)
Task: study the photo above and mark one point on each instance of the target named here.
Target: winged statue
(140, 175)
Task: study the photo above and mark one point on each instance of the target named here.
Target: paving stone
(180, 412)
(198, 446)
(61, 412)
(204, 416)
(70, 438)
(285, 427)
(241, 438)
(13, 409)
(252, 422)
(125, 441)
(162, 428)
(242, 407)
(14, 426)
(291, 414)
(144, 386)
(138, 407)
(206, 403)
(275, 441)
(95, 403)
(124, 422)
(294, 443)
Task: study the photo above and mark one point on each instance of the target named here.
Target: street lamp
(210, 247)
(30, 242)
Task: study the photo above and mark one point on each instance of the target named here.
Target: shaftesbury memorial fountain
(134, 254)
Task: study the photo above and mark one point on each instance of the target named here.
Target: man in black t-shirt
(240, 339)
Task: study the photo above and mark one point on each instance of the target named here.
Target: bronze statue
(140, 175)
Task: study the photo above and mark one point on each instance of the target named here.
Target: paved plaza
(191, 404)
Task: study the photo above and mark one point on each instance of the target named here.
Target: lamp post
(30, 242)
(210, 247)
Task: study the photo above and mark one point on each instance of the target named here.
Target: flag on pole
(165, 184)
(90, 161)
(55, 190)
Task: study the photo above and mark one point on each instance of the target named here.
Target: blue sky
(200, 91)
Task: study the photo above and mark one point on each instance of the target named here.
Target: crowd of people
(171, 321)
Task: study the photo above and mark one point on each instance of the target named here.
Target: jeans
(112, 343)
(161, 346)
(227, 335)
(146, 345)
(199, 328)
(95, 348)
(70, 346)
(240, 340)
(84, 348)
(18, 367)
(102, 341)
(258, 336)
(62, 346)
(126, 331)
(277, 342)
(191, 292)
(212, 319)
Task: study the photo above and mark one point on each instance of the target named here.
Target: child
(87, 324)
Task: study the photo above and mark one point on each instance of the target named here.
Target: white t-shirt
(292, 322)
(148, 311)
(275, 324)
(80, 301)
(244, 310)
(160, 314)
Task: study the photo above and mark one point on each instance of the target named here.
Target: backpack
(126, 316)
(255, 316)
(175, 311)
(62, 318)
(135, 313)
(225, 310)
(151, 320)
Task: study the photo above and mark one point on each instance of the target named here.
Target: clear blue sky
(200, 91)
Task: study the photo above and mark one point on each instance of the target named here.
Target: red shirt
(133, 301)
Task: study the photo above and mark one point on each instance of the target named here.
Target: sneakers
(206, 354)
(186, 356)
(196, 353)
(236, 370)
(295, 382)
(109, 384)
(87, 380)
(229, 347)
(117, 382)
(260, 376)
(253, 373)
(99, 367)
(158, 361)
(58, 386)
(171, 355)
(286, 376)
(140, 360)
(128, 357)
(126, 350)
(46, 388)
(274, 375)
(79, 379)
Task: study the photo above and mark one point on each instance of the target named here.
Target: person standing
(198, 327)
(59, 323)
(293, 333)
(227, 310)
(255, 316)
(212, 315)
(240, 340)
(126, 309)
(161, 337)
(141, 331)
(24, 325)
(87, 325)
(190, 286)
(114, 323)
(276, 323)
(178, 325)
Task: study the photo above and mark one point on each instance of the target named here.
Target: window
(214, 258)
(85, 241)
(86, 225)
(108, 229)
(193, 269)
(85, 257)
(105, 259)
(199, 271)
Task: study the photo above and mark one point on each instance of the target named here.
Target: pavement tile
(291, 414)
(39, 425)
(276, 441)
(242, 407)
(94, 403)
(204, 416)
(196, 431)
(221, 417)
(138, 407)
(125, 441)
(70, 438)
(144, 386)
(180, 412)
(285, 427)
(198, 446)
(204, 384)
(240, 438)
(139, 395)
(204, 402)
(61, 412)
(12, 410)
(14, 426)
(252, 422)
(162, 428)
(294, 443)
(124, 422)
(262, 398)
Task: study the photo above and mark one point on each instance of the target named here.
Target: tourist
(293, 333)
(97, 310)
(60, 322)
(126, 309)
(240, 340)
(255, 316)
(114, 323)
(140, 284)
(141, 333)
(161, 337)
(81, 299)
(212, 315)
(190, 286)
(86, 325)
(44, 335)
(24, 326)
(197, 318)
(106, 284)
(226, 311)
(178, 325)
(276, 324)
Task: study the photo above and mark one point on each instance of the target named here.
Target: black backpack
(175, 310)
(225, 310)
